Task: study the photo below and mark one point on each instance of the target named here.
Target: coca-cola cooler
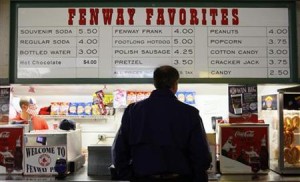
(244, 148)
(282, 112)
(11, 149)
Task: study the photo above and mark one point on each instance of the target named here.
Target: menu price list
(76, 51)
(231, 52)
(147, 47)
(254, 52)
(133, 51)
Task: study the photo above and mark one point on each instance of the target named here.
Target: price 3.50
(183, 62)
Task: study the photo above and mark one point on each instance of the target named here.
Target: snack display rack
(60, 117)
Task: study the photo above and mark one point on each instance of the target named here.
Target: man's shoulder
(187, 106)
(138, 103)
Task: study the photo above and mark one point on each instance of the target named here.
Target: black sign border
(15, 4)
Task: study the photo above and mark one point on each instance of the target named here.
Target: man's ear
(174, 88)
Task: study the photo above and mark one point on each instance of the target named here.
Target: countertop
(81, 175)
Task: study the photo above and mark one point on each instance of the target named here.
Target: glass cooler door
(289, 114)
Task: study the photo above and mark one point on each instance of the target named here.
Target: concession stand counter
(119, 44)
(43, 148)
(99, 158)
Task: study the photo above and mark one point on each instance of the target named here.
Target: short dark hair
(24, 101)
(165, 77)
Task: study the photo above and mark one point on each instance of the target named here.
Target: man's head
(166, 77)
(24, 103)
(28, 105)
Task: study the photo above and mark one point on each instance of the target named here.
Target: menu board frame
(291, 5)
(4, 81)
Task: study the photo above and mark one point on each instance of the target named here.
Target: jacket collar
(162, 93)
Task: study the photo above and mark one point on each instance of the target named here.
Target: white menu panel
(106, 42)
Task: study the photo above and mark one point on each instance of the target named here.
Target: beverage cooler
(282, 112)
(243, 148)
(11, 149)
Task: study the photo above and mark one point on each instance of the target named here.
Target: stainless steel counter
(81, 175)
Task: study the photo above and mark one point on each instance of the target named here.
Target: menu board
(130, 42)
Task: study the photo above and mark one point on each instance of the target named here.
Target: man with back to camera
(28, 113)
(161, 138)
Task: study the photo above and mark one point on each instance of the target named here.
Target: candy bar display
(187, 97)
(119, 98)
(73, 108)
(102, 104)
(54, 108)
(131, 97)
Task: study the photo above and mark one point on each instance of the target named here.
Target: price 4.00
(90, 61)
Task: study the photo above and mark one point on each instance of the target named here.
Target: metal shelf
(87, 117)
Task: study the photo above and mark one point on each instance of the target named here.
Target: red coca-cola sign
(240, 145)
(11, 155)
(4, 134)
(244, 134)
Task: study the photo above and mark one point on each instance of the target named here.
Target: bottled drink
(264, 155)
(9, 164)
(8, 160)
(18, 155)
(255, 164)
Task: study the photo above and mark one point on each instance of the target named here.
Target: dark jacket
(162, 135)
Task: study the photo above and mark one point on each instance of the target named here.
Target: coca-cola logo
(244, 134)
(4, 134)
